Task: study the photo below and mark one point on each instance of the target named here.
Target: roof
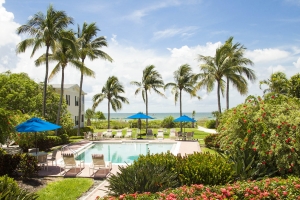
(67, 86)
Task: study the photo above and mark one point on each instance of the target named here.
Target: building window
(82, 103)
(68, 99)
(76, 101)
(76, 120)
(82, 118)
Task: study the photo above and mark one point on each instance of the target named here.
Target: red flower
(263, 162)
(249, 131)
(273, 97)
(252, 143)
(279, 127)
(263, 135)
(254, 149)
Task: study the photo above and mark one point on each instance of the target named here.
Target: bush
(211, 141)
(210, 123)
(10, 190)
(76, 137)
(73, 132)
(274, 188)
(204, 168)
(267, 127)
(9, 163)
(28, 166)
(148, 174)
(168, 122)
(153, 173)
(64, 139)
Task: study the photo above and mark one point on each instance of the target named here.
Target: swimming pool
(124, 152)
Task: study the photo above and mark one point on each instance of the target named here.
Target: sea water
(161, 116)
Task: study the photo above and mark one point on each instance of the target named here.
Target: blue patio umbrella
(184, 118)
(36, 125)
(139, 116)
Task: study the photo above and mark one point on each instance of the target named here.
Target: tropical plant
(278, 83)
(214, 70)
(10, 190)
(111, 91)
(89, 46)
(184, 81)
(89, 114)
(294, 85)
(65, 53)
(237, 63)
(99, 115)
(267, 127)
(45, 30)
(151, 79)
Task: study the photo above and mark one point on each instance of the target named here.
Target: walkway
(201, 128)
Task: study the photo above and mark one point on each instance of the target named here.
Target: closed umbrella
(139, 116)
(36, 125)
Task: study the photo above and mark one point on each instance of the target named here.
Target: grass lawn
(67, 188)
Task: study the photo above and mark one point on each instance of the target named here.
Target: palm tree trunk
(108, 114)
(45, 84)
(61, 96)
(227, 93)
(219, 98)
(146, 110)
(79, 105)
(219, 104)
(180, 106)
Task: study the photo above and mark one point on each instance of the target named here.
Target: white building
(71, 95)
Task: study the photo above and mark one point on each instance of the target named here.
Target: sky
(166, 34)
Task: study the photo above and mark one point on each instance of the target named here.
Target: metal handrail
(67, 146)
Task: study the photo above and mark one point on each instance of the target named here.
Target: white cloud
(266, 55)
(297, 64)
(278, 68)
(167, 33)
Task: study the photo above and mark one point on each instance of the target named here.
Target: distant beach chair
(108, 133)
(160, 134)
(119, 134)
(128, 133)
(172, 135)
(190, 135)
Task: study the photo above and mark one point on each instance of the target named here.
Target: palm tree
(111, 91)
(214, 69)
(45, 31)
(89, 46)
(65, 53)
(278, 83)
(237, 63)
(151, 79)
(184, 81)
(89, 113)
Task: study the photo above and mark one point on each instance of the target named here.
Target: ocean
(161, 116)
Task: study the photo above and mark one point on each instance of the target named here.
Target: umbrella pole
(35, 143)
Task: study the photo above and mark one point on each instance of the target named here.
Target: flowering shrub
(269, 129)
(270, 188)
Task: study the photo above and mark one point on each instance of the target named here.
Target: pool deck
(185, 148)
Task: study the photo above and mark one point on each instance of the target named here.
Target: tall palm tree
(237, 63)
(151, 79)
(184, 81)
(45, 31)
(65, 53)
(213, 70)
(89, 46)
(111, 91)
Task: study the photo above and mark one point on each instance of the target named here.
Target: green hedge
(150, 173)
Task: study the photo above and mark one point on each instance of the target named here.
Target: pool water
(123, 152)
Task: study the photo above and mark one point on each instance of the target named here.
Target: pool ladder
(66, 147)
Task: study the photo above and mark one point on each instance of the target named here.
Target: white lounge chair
(119, 134)
(99, 163)
(108, 134)
(160, 134)
(70, 162)
(128, 133)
